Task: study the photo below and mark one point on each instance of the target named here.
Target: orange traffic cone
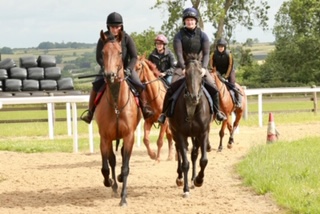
(272, 133)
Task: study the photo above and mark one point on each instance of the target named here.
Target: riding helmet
(222, 42)
(114, 19)
(190, 13)
(162, 39)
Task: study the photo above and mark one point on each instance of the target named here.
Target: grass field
(287, 171)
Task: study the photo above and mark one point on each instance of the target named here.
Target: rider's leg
(212, 89)
(90, 111)
(232, 80)
(173, 87)
(145, 108)
(87, 115)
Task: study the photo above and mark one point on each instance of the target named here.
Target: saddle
(103, 89)
(173, 99)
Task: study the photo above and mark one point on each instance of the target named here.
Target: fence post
(314, 99)
(245, 99)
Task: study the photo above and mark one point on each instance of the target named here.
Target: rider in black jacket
(191, 39)
(163, 58)
(222, 62)
(129, 58)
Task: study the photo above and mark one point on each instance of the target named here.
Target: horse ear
(103, 36)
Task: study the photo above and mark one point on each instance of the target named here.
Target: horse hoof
(153, 156)
(179, 182)
(198, 182)
(229, 146)
(186, 195)
(123, 203)
(108, 182)
(119, 177)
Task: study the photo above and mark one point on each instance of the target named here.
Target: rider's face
(220, 48)
(115, 30)
(190, 23)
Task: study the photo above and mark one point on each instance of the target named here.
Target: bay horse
(191, 118)
(228, 107)
(155, 91)
(117, 116)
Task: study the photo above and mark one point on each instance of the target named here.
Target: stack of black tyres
(33, 74)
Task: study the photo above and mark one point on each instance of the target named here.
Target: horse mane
(192, 56)
(151, 65)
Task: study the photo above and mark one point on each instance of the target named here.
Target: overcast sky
(26, 24)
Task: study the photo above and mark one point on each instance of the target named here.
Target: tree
(145, 41)
(224, 15)
(297, 56)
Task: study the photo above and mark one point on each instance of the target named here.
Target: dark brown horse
(155, 92)
(228, 107)
(117, 116)
(191, 118)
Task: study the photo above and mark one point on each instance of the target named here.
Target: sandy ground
(72, 183)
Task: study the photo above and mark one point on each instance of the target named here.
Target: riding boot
(162, 117)
(219, 114)
(88, 117)
(238, 99)
(145, 108)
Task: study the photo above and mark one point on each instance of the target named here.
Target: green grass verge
(287, 170)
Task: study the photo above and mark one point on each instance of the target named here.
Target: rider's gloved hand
(127, 72)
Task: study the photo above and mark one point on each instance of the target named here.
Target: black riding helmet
(114, 19)
(222, 42)
(190, 13)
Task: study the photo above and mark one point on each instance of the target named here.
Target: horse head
(112, 57)
(146, 69)
(193, 74)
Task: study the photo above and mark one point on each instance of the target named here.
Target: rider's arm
(177, 45)
(99, 52)
(205, 50)
(230, 66)
(132, 51)
(172, 61)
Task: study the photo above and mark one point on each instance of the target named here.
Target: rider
(222, 62)
(129, 58)
(191, 39)
(163, 58)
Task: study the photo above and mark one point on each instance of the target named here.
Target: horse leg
(160, 141)
(194, 157)
(146, 141)
(179, 180)
(108, 157)
(126, 154)
(235, 126)
(185, 169)
(230, 128)
(221, 134)
(203, 162)
(170, 143)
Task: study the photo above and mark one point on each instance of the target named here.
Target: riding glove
(127, 72)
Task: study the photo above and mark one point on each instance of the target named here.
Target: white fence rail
(72, 101)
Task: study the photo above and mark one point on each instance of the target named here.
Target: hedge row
(33, 74)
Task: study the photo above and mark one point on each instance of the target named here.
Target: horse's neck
(118, 92)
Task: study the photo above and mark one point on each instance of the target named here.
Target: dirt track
(72, 183)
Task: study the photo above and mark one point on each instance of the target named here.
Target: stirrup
(88, 117)
(220, 116)
(162, 119)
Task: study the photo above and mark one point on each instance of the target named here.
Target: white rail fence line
(71, 101)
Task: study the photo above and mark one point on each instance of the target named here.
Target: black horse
(191, 118)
